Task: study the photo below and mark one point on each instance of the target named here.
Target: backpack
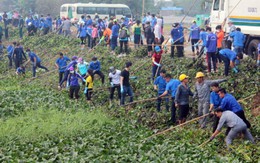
(123, 34)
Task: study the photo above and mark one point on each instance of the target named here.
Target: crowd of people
(177, 91)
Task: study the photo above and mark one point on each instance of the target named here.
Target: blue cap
(157, 49)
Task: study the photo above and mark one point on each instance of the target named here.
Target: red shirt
(157, 57)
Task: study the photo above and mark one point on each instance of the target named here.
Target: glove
(235, 70)
(86, 89)
(159, 98)
(111, 83)
(205, 50)
(84, 80)
(172, 41)
(157, 64)
(211, 138)
(100, 41)
(122, 90)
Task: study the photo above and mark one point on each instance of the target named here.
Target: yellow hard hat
(199, 74)
(182, 77)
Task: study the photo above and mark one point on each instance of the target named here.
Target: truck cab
(244, 14)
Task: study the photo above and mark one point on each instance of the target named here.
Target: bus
(76, 10)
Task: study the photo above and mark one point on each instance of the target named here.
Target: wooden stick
(162, 132)
(206, 142)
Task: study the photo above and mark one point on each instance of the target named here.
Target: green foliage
(40, 123)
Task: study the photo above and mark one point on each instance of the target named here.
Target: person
(238, 40)
(45, 26)
(49, 22)
(74, 83)
(203, 40)
(149, 35)
(114, 35)
(171, 88)
(20, 26)
(123, 38)
(36, 62)
(82, 33)
(82, 68)
(144, 20)
(18, 55)
(125, 87)
(89, 84)
(106, 35)
(153, 21)
(20, 71)
(94, 35)
(229, 57)
(96, 67)
(229, 41)
(194, 37)
(66, 24)
(215, 102)
(137, 33)
(230, 103)
(235, 123)
(156, 59)
(36, 23)
(211, 49)
(177, 40)
(58, 23)
(158, 38)
(61, 64)
(73, 64)
(220, 37)
(202, 92)
(114, 78)
(10, 52)
(30, 29)
(182, 98)
(160, 86)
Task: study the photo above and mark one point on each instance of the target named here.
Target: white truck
(244, 14)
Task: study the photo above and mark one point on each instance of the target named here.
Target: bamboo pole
(170, 129)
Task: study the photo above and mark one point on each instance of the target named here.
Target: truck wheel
(252, 48)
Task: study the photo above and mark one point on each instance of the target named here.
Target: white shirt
(115, 77)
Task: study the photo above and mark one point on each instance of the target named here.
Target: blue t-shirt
(211, 43)
(239, 38)
(115, 30)
(20, 70)
(231, 55)
(215, 99)
(195, 32)
(32, 56)
(82, 32)
(62, 63)
(10, 50)
(172, 86)
(95, 66)
(203, 37)
(230, 103)
(161, 82)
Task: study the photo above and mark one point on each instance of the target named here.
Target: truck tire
(252, 48)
